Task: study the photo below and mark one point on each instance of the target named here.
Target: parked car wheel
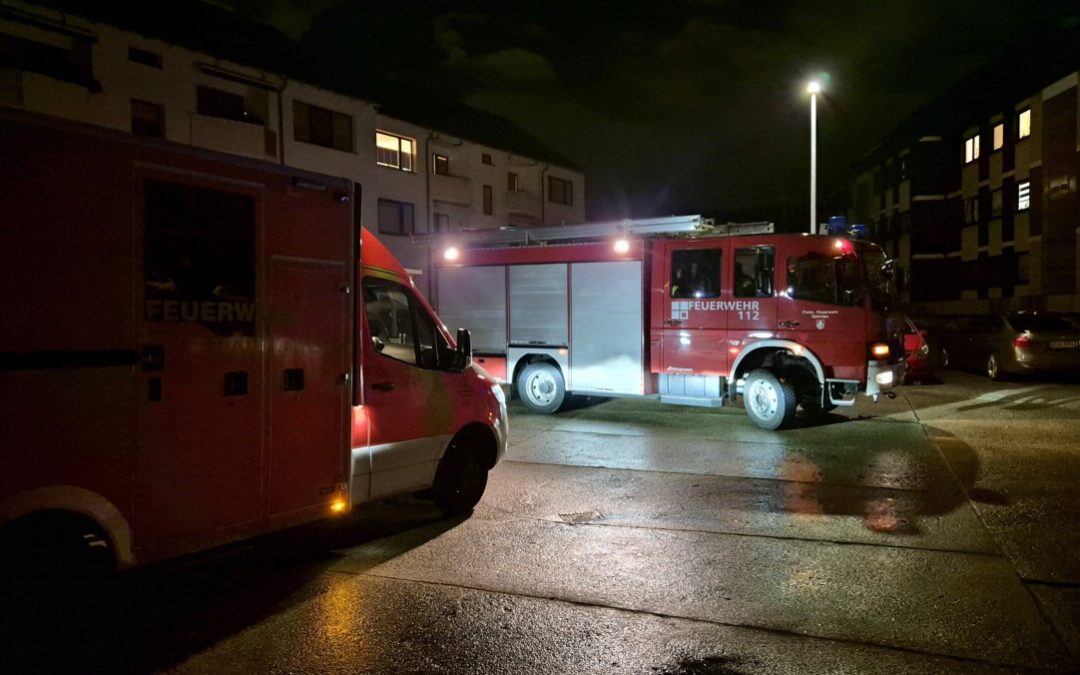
(994, 370)
(541, 388)
(769, 402)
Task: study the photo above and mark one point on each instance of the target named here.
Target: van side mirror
(464, 348)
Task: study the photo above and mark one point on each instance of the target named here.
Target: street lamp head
(813, 87)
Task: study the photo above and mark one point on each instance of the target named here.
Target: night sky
(675, 107)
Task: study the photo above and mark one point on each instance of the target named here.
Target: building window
(1023, 123)
(995, 203)
(394, 152)
(489, 198)
(395, 217)
(1023, 196)
(971, 149)
(216, 103)
(999, 136)
(147, 119)
(442, 222)
(73, 64)
(319, 126)
(440, 165)
(512, 182)
(146, 58)
(971, 210)
(560, 191)
(486, 158)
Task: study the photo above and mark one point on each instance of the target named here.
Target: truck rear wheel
(541, 388)
(769, 402)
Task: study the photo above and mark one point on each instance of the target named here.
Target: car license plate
(1064, 344)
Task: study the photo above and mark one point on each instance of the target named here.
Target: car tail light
(879, 350)
(1022, 341)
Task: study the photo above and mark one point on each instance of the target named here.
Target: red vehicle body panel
(182, 360)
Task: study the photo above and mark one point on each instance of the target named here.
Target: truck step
(698, 401)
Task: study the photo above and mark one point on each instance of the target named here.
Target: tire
(460, 480)
(541, 388)
(944, 358)
(769, 402)
(994, 370)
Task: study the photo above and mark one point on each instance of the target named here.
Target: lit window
(395, 152)
(1023, 124)
(971, 149)
(1023, 196)
(999, 136)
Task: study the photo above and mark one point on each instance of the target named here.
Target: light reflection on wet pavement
(932, 533)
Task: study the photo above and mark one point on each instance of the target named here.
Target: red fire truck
(197, 348)
(677, 309)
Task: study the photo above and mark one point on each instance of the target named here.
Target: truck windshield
(829, 279)
(878, 275)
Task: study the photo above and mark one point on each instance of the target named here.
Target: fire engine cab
(677, 309)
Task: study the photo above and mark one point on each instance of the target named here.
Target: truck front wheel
(541, 388)
(769, 402)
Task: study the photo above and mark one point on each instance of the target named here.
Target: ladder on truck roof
(641, 227)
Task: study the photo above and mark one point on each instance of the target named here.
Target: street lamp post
(813, 88)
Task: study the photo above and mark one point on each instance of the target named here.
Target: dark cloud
(676, 106)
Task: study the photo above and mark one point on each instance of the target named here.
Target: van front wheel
(769, 402)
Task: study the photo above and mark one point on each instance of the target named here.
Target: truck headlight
(884, 378)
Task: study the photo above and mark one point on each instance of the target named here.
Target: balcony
(237, 138)
(524, 203)
(451, 189)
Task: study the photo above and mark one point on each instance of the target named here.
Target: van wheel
(541, 388)
(769, 402)
(460, 480)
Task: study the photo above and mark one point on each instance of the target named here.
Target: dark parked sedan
(1009, 344)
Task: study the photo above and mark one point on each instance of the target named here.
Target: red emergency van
(197, 348)
(677, 309)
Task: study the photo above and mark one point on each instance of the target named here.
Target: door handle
(383, 386)
(788, 324)
(673, 322)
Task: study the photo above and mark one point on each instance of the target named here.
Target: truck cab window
(390, 320)
(754, 272)
(695, 273)
(831, 280)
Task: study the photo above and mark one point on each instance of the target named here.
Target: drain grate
(581, 517)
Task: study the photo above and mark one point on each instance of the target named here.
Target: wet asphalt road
(938, 532)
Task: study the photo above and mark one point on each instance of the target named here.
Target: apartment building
(413, 175)
(975, 195)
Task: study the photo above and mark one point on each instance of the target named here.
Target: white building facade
(411, 179)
